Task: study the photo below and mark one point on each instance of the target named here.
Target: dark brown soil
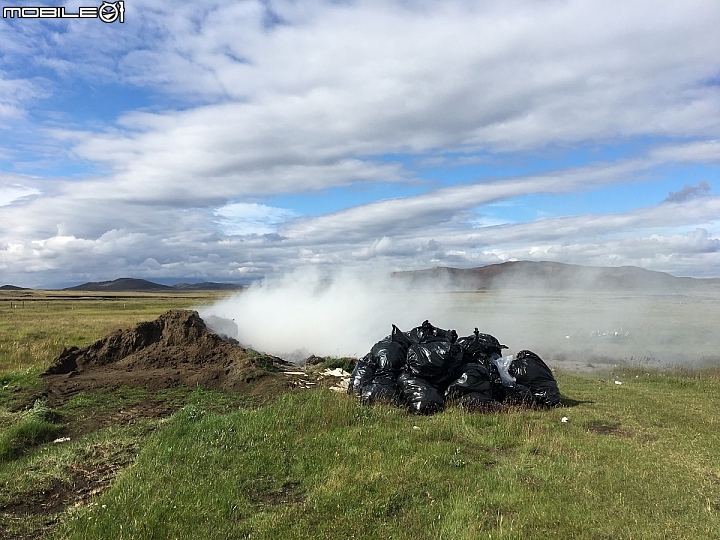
(91, 420)
(608, 428)
(176, 349)
(36, 515)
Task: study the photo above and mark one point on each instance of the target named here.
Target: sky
(235, 140)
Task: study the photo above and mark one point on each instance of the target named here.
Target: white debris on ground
(564, 419)
(341, 385)
(302, 383)
(339, 373)
(61, 440)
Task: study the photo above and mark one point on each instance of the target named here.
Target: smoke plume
(304, 313)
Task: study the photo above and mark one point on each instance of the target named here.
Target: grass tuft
(35, 426)
(348, 364)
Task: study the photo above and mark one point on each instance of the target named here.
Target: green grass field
(640, 460)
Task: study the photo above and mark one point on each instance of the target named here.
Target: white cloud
(15, 95)
(442, 205)
(11, 193)
(246, 219)
(305, 104)
(342, 94)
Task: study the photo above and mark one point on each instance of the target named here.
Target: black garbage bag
(529, 370)
(419, 395)
(383, 389)
(477, 401)
(398, 336)
(435, 361)
(389, 356)
(426, 333)
(474, 379)
(480, 347)
(517, 394)
(363, 373)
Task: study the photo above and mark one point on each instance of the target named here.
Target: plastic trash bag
(398, 336)
(382, 389)
(530, 371)
(517, 394)
(477, 401)
(436, 361)
(363, 373)
(474, 379)
(419, 395)
(426, 333)
(389, 356)
(502, 363)
(480, 347)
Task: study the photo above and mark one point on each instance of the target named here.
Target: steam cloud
(303, 314)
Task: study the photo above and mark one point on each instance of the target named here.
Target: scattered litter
(416, 427)
(61, 440)
(337, 372)
(618, 382)
(342, 375)
(294, 372)
(424, 368)
(564, 419)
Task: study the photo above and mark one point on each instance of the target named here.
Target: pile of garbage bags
(424, 368)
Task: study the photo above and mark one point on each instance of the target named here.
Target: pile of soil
(173, 350)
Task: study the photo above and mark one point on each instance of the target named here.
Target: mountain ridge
(556, 276)
(143, 285)
(512, 274)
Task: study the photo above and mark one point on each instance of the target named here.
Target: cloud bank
(236, 140)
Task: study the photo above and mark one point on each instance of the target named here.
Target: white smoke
(303, 313)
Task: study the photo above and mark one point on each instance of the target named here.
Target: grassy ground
(633, 460)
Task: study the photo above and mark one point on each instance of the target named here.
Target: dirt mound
(175, 349)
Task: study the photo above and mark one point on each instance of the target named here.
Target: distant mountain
(207, 286)
(120, 285)
(142, 285)
(556, 276)
(13, 288)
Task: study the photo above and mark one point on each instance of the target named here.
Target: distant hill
(207, 286)
(556, 276)
(120, 285)
(142, 285)
(13, 288)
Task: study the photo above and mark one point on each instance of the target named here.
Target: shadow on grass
(570, 402)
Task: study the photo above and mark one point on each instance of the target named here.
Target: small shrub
(348, 364)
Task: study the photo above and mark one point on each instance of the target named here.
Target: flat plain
(636, 457)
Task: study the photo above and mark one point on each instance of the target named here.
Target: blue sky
(245, 139)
